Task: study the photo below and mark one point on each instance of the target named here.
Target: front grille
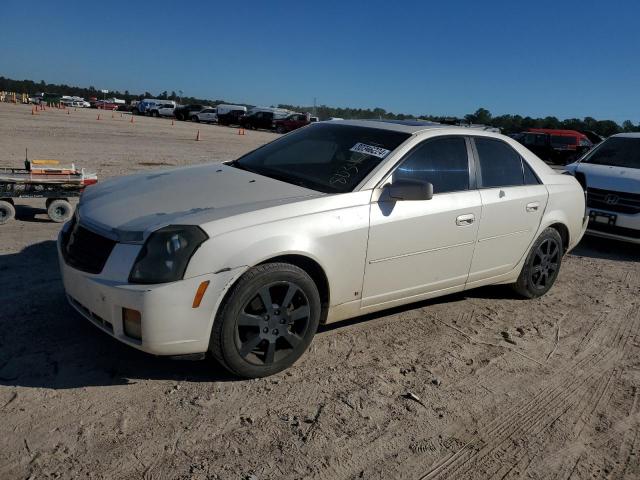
(84, 250)
(621, 202)
(97, 319)
(622, 231)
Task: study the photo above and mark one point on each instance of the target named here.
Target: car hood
(127, 209)
(607, 177)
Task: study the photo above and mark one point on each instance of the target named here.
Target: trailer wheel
(59, 210)
(7, 212)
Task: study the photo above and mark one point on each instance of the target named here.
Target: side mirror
(410, 190)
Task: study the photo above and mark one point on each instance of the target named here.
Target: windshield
(329, 158)
(616, 152)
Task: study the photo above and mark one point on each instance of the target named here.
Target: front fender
(336, 240)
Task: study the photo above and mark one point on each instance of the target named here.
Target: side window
(443, 162)
(530, 178)
(500, 165)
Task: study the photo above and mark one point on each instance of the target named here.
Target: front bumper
(626, 228)
(170, 325)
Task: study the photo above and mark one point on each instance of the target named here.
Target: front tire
(542, 265)
(267, 321)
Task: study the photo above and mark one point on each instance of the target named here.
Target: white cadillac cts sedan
(245, 259)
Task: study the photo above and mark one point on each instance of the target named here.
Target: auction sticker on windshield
(370, 150)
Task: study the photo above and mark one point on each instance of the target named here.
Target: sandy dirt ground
(477, 385)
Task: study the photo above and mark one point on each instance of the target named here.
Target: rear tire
(541, 266)
(7, 212)
(59, 210)
(267, 321)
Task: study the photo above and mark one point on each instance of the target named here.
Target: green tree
(482, 116)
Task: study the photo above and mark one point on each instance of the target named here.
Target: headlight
(166, 254)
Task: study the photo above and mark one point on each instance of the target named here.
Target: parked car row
(278, 119)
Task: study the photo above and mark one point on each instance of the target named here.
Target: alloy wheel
(272, 323)
(545, 263)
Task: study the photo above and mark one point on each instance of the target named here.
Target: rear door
(513, 201)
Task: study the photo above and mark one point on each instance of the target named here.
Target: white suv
(611, 175)
(334, 220)
(206, 115)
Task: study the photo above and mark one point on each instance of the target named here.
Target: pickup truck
(184, 112)
(162, 110)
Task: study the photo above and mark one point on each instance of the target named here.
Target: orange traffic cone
(198, 136)
(241, 131)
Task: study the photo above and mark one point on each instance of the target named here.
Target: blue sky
(564, 58)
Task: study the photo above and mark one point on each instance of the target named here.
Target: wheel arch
(314, 270)
(563, 230)
(569, 231)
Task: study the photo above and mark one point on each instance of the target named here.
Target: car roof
(557, 131)
(627, 135)
(407, 126)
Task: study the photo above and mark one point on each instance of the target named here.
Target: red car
(292, 122)
(102, 105)
(565, 139)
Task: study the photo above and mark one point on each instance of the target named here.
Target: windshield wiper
(239, 166)
(285, 178)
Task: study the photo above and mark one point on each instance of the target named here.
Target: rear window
(616, 152)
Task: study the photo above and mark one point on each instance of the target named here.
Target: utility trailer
(39, 180)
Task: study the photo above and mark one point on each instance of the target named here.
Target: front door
(418, 247)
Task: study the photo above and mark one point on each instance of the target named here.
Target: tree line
(507, 123)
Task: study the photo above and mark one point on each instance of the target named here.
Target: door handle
(533, 206)
(464, 220)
